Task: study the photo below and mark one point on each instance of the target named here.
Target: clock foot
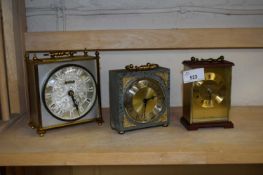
(100, 121)
(196, 126)
(30, 124)
(165, 125)
(41, 132)
(121, 132)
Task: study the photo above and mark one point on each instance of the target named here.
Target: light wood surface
(4, 102)
(89, 144)
(19, 16)
(146, 39)
(10, 55)
(14, 26)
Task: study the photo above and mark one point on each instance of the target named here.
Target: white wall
(67, 15)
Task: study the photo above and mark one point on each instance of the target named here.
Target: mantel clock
(64, 89)
(139, 97)
(206, 103)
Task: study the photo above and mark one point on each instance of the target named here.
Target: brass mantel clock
(206, 103)
(63, 89)
(139, 97)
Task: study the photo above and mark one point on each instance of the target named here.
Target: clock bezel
(164, 106)
(45, 83)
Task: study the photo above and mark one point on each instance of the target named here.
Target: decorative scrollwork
(57, 54)
(148, 66)
(219, 59)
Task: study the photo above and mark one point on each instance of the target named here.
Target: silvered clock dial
(70, 92)
(144, 100)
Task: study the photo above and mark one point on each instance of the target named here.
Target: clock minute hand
(144, 107)
(71, 94)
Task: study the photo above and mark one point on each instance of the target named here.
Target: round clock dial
(144, 100)
(69, 92)
(210, 91)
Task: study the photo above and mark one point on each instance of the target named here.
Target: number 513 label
(193, 75)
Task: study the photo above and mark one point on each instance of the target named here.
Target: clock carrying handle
(68, 53)
(148, 66)
(219, 59)
(59, 54)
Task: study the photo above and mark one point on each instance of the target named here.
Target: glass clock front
(69, 92)
(144, 100)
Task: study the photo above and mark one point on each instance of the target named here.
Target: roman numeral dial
(144, 100)
(69, 92)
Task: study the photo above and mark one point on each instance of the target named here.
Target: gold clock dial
(69, 93)
(144, 100)
(211, 91)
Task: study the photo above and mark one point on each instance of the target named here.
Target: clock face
(144, 100)
(69, 92)
(211, 91)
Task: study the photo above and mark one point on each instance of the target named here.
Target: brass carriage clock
(139, 97)
(64, 89)
(206, 103)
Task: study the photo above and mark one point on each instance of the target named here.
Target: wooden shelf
(146, 39)
(89, 144)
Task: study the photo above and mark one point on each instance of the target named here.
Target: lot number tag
(193, 75)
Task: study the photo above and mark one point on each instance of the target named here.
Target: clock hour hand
(71, 94)
(145, 101)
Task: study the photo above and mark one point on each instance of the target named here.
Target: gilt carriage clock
(64, 89)
(139, 97)
(206, 103)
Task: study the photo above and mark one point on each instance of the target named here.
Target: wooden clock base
(196, 126)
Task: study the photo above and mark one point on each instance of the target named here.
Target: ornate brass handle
(56, 54)
(148, 66)
(219, 59)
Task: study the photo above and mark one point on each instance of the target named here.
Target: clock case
(39, 67)
(119, 81)
(208, 117)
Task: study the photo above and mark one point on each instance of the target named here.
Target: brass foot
(121, 132)
(41, 132)
(30, 124)
(165, 125)
(100, 121)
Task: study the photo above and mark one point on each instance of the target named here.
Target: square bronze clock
(64, 89)
(206, 103)
(139, 97)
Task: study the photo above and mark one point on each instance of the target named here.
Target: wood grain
(4, 101)
(146, 39)
(19, 16)
(10, 55)
(90, 144)
(14, 26)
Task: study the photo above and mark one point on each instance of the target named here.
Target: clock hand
(71, 94)
(217, 98)
(144, 107)
(145, 101)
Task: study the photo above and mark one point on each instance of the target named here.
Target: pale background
(74, 15)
